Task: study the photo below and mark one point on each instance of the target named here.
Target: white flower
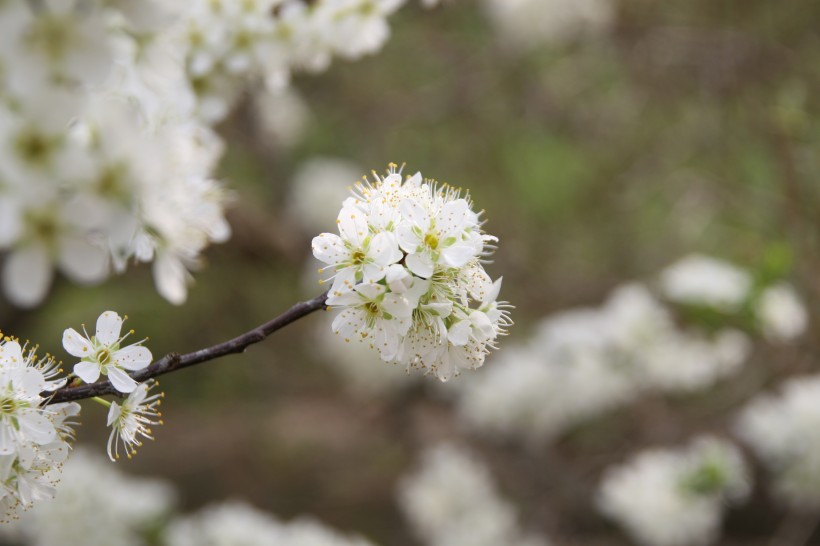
(526, 24)
(451, 500)
(701, 280)
(429, 303)
(117, 511)
(784, 431)
(133, 420)
(21, 418)
(104, 353)
(355, 256)
(782, 313)
(236, 522)
(371, 313)
(670, 498)
(429, 238)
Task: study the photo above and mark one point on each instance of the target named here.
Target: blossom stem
(174, 361)
(101, 401)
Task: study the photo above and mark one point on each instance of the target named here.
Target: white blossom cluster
(95, 505)
(105, 354)
(106, 145)
(523, 25)
(407, 275)
(451, 500)
(706, 282)
(33, 437)
(583, 362)
(664, 497)
(236, 522)
(99, 160)
(227, 41)
(784, 431)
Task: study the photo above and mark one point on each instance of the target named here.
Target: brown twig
(173, 361)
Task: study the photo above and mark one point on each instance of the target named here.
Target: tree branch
(174, 361)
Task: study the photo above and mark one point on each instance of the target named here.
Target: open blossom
(407, 275)
(33, 437)
(104, 353)
(133, 420)
(664, 497)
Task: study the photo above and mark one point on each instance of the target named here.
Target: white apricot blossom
(408, 277)
(104, 353)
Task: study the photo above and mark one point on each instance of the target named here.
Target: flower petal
(75, 344)
(109, 326)
(87, 371)
(420, 264)
(329, 248)
(133, 357)
(353, 226)
(121, 380)
(27, 275)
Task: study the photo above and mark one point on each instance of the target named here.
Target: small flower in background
(317, 188)
(784, 431)
(236, 522)
(708, 282)
(664, 497)
(523, 25)
(451, 499)
(133, 420)
(781, 312)
(583, 362)
(95, 505)
(104, 353)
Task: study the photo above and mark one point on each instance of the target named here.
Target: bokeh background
(600, 155)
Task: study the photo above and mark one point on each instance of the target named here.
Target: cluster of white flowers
(784, 431)
(451, 500)
(586, 361)
(33, 437)
(236, 522)
(705, 282)
(526, 24)
(105, 354)
(407, 275)
(96, 506)
(675, 498)
(98, 167)
(106, 145)
(227, 41)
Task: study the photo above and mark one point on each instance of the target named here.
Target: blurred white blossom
(664, 497)
(526, 24)
(235, 522)
(451, 500)
(704, 281)
(784, 431)
(95, 505)
(583, 362)
(782, 313)
(316, 190)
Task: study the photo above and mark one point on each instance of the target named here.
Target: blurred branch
(174, 361)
